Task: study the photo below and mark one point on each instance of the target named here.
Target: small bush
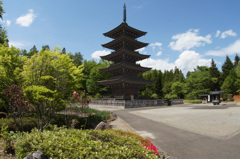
(28, 124)
(193, 101)
(95, 117)
(73, 143)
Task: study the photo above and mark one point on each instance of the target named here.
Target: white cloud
(142, 50)
(227, 33)
(97, 54)
(26, 20)
(157, 64)
(189, 40)
(217, 33)
(187, 61)
(230, 50)
(157, 44)
(159, 53)
(8, 22)
(17, 44)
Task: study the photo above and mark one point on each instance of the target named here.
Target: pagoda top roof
(135, 54)
(125, 64)
(124, 79)
(124, 26)
(137, 44)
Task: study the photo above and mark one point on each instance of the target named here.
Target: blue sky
(182, 33)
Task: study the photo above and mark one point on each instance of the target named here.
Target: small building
(213, 95)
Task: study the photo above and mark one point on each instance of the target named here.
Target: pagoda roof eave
(118, 53)
(124, 79)
(124, 64)
(124, 26)
(139, 44)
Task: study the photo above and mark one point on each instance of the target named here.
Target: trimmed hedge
(193, 101)
(60, 120)
(73, 143)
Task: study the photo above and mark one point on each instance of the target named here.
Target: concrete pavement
(189, 131)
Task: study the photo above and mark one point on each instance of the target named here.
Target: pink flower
(83, 103)
(84, 90)
(78, 98)
(74, 92)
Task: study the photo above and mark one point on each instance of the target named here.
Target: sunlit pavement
(190, 131)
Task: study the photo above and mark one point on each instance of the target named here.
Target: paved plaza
(222, 122)
(188, 131)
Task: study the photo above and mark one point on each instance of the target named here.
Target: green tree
(77, 58)
(96, 75)
(197, 82)
(236, 61)
(215, 75)
(32, 51)
(230, 83)
(3, 32)
(10, 67)
(48, 78)
(177, 89)
(63, 51)
(226, 68)
(45, 47)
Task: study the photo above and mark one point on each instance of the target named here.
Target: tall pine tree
(215, 75)
(226, 68)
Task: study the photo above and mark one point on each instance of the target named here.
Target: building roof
(125, 65)
(124, 79)
(216, 92)
(124, 53)
(118, 31)
(124, 41)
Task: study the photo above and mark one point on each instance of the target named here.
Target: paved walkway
(188, 131)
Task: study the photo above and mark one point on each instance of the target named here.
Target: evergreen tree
(226, 68)
(45, 47)
(78, 58)
(32, 51)
(215, 75)
(63, 51)
(236, 60)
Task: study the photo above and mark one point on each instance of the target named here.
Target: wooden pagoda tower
(125, 83)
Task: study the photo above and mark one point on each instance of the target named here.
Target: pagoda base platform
(112, 103)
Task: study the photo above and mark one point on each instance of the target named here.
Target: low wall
(134, 103)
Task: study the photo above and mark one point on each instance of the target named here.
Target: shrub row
(28, 123)
(73, 143)
(193, 101)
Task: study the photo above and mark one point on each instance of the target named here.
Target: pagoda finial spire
(124, 13)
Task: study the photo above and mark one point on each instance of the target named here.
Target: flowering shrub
(73, 143)
(149, 145)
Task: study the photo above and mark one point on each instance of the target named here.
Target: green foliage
(8, 138)
(231, 83)
(226, 68)
(197, 83)
(193, 101)
(96, 75)
(28, 124)
(10, 67)
(72, 143)
(48, 78)
(93, 118)
(77, 58)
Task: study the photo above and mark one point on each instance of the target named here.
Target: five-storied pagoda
(125, 83)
